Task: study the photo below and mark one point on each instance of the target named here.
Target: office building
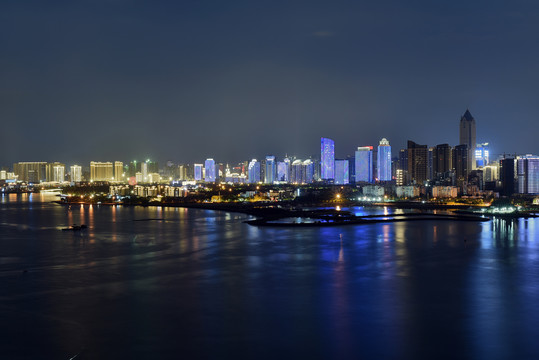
(58, 173)
(283, 171)
(467, 137)
(460, 164)
(482, 156)
(417, 162)
(209, 166)
(507, 175)
(270, 172)
(442, 160)
(364, 164)
(342, 176)
(327, 159)
(528, 174)
(384, 161)
(198, 172)
(308, 171)
(253, 172)
(144, 171)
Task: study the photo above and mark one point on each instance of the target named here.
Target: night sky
(233, 80)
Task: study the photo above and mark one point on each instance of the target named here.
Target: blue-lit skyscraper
(270, 170)
(253, 172)
(198, 172)
(364, 165)
(327, 159)
(384, 160)
(209, 165)
(283, 171)
(482, 157)
(528, 174)
(308, 171)
(341, 172)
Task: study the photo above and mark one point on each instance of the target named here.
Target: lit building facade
(364, 164)
(101, 171)
(417, 162)
(384, 161)
(327, 162)
(118, 170)
(528, 174)
(482, 156)
(76, 173)
(198, 172)
(283, 171)
(31, 171)
(270, 172)
(342, 175)
(58, 173)
(209, 166)
(253, 172)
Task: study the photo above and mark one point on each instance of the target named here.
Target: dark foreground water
(204, 285)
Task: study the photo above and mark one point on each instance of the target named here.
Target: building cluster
(442, 170)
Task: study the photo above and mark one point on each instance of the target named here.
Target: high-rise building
(31, 171)
(417, 162)
(58, 173)
(253, 172)
(460, 163)
(467, 137)
(296, 172)
(482, 156)
(442, 160)
(101, 171)
(342, 176)
(210, 174)
(327, 159)
(507, 175)
(283, 171)
(528, 174)
(144, 171)
(384, 161)
(118, 170)
(76, 173)
(308, 171)
(364, 164)
(270, 172)
(198, 172)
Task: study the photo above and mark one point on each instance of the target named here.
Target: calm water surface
(203, 285)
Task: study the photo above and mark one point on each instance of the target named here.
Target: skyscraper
(507, 175)
(341, 172)
(384, 160)
(364, 164)
(442, 161)
(270, 170)
(283, 171)
(482, 156)
(198, 172)
(76, 173)
(253, 172)
(417, 162)
(467, 136)
(209, 166)
(460, 163)
(528, 174)
(101, 171)
(327, 157)
(118, 170)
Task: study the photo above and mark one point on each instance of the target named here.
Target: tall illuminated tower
(270, 170)
(253, 172)
(467, 136)
(209, 166)
(327, 157)
(384, 160)
(341, 172)
(364, 168)
(198, 172)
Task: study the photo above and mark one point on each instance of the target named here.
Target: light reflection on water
(207, 285)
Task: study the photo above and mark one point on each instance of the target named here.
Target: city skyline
(148, 81)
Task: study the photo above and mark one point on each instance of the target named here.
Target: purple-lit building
(384, 161)
(327, 159)
(198, 172)
(364, 164)
(209, 165)
(341, 172)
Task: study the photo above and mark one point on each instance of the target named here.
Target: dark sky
(186, 80)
